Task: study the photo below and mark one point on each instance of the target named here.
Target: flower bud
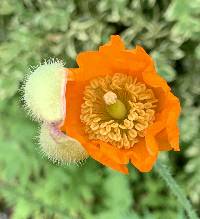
(44, 92)
(59, 147)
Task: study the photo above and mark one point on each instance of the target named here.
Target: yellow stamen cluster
(140, 103)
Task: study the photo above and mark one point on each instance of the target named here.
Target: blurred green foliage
(32, 30)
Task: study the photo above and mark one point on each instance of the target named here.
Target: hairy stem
(164, 172)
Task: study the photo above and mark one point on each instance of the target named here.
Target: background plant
(32, 30)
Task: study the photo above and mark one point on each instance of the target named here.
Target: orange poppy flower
(119, 108)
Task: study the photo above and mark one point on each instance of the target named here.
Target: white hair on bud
(44, 91)
(60, 148)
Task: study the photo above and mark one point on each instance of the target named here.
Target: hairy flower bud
(59, 147)
(44, 92)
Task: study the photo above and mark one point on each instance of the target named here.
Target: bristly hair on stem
(164, 172)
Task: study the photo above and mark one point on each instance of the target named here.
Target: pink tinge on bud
(59, 147)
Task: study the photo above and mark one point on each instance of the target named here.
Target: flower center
(117, 109)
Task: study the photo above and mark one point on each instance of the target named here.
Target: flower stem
(176, 190)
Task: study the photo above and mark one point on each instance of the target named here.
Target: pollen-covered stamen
(117, 109)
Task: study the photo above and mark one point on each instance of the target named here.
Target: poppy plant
(119, 108)
(114, 107)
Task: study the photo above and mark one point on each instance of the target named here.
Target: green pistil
(117, 110)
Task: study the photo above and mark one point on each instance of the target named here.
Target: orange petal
(98, 155)
(161, 95)
(137, 59)
(168, 137)
(72, 124)
(150, 140)
(154, 80)
(115, 44)
(91, 65)
(70, 74)
(141, 158)
(164, 133)
(172, 122)
(124, 61)
(118, 155)
(162, 141)
(112, 58)
(158, 84)
(94, 63)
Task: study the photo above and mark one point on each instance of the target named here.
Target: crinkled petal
(162, 141)
(95, 152)
(91, 65)
(150, 140)
(72, 124)
(141, 158)
(168, 136)
(112, 58)
(164, 133)
(131, 62)
(172, 122)
(114, 45)
(118, 155)
(153, 79)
